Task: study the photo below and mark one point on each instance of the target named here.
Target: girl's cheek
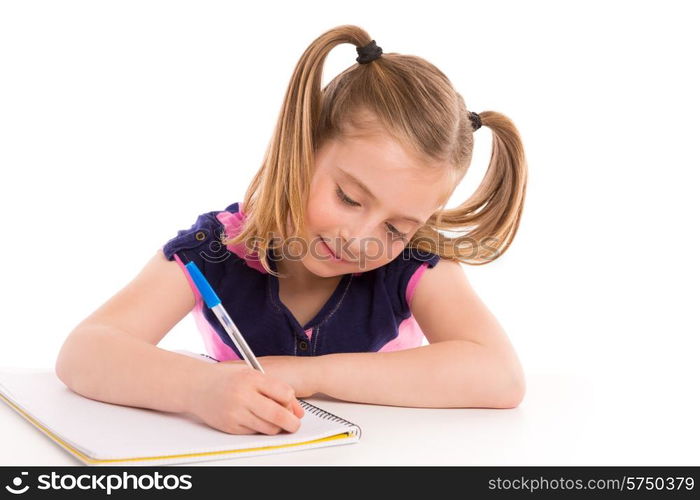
(314, 213)
(319, 219)
(381, 250)
(324, 215)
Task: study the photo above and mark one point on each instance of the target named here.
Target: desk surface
(564, 420)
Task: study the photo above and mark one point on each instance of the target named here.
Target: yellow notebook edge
(354, 436)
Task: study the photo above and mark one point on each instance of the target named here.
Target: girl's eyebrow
(369, 193)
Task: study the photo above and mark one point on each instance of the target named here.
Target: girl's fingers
(296, 408)
(252, 421)
(276, 389)
(242, 429)
(274, 413)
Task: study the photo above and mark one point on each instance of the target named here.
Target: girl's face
(368, 226)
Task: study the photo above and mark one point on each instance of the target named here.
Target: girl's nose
(360, 243)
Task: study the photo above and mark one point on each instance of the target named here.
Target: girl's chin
(319, 268)
(323, 271)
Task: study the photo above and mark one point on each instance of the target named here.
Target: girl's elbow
(509, 390)
(515, 396)
(514, 393)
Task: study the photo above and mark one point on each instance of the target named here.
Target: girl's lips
(330, 252)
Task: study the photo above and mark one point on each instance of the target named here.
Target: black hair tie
(368, 53)
(476, 120)
(372, 51)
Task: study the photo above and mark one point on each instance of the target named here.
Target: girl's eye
(397, 233)
(343, 197)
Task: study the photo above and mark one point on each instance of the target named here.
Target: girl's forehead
(386, 176)
(380, 152)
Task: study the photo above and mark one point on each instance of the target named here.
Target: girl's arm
(452, 373)
(469, 362)
(112, 356)
(103, 363)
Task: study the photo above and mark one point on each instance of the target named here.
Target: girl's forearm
(446, 374)
(102, 363)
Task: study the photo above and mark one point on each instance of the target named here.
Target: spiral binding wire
(326, 415)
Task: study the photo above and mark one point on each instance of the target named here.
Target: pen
(214, 303)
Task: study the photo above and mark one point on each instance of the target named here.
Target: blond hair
(415, 103)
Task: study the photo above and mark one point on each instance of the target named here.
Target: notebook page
(106, 431)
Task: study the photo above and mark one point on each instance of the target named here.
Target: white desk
(564, 420)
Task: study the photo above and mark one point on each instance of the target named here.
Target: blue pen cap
(208, 293)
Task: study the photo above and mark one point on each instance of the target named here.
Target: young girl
(333, 266)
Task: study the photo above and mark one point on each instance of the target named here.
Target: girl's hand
(301, 373)
(237, 399)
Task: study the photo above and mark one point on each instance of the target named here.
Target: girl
(332, 266)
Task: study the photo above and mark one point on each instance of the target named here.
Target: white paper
(105, 431)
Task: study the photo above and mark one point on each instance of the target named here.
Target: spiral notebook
(99, 433)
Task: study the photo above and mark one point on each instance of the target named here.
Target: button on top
(200, 235)
(303, 345)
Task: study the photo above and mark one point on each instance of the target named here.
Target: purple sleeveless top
(368, 311)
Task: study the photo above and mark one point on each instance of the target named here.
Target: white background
(120, 122)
